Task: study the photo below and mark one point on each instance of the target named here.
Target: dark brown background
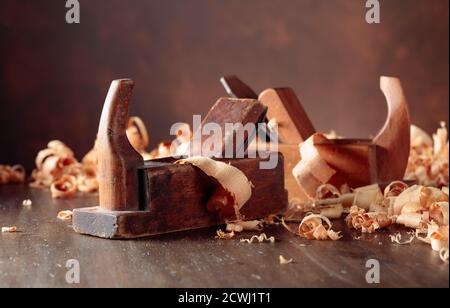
(54, 76)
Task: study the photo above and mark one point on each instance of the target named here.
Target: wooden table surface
(37, 255)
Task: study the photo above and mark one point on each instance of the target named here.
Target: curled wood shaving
(230, 178)
(367, 196)
(239, 226)
(312, 228)
(444, 254)
(367, 222)
(413, 220)
(137, 134)
(395, 189)
(439, 238)
(57, 161)
(423, 208)
(87, 179)
(397, 238)
(163, 150)
(428, 160)
(439, 213)
(180, 146)
(327, 191)
(12, 229)
(65, 187)
(12, 174)
(224, 235)
(27, 203)
(312, 171)
(65, 215)
(57, 168)
(284, 261)
(259, 238)
(420, 196)
(411, 207)
(419, 137)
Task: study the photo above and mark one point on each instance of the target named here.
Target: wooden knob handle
(118, 161)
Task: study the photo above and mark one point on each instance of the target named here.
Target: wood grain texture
(36, 256)
(117, 160)
(231, 111)
(291, 157)
(354, 161)
(393, 141)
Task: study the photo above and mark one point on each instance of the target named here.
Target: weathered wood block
(176, 199)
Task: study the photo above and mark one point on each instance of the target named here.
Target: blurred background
(54, 76)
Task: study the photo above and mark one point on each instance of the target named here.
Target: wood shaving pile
(312, 171)
(397, 239)
(12, 174)
(429, 156)
(251, 225)
(367, 222)
(58, 169)
(236, 189)
(422, 208)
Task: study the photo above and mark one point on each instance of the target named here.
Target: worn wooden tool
(140, 198)
(232, 111)
(357, 162)
(382, 159)
(293, 124)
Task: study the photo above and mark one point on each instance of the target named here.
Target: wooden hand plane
(143, 198)
(357, 162)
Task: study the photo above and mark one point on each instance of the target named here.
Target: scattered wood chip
(12, 229)
(284, 261)
(444, 254)
(65, 215)
(359, 219)
(397, 238)
(27, 203)
(221, 235)
(259, 238)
